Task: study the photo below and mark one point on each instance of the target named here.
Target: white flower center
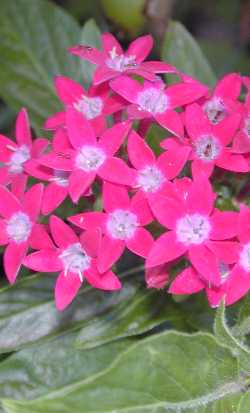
(91, 107)
(247, 126)
(19, 227)
(61, 178)
(120, 62)
(215, 110)
(150, 178)
(193, 229)
(122, 224)
(89, 158)
(75, 260)
(207, 147)
(224, 270)
(245, 257)
(152, 100)
(18, 158)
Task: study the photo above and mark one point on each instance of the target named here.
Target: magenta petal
(224, 224)
(109, 42)
(117, 171)
(183, 93)
(89, 220)
(232, 162)
(244, 224)
(140, 48)
(79, 183)
(5, 148)
(140, 207)
(63, 161)
(90, 241)
(62, 234)
(173, 161)
(200, 197)
(45, 260)
(140, 154)
(241, 143)
(187, 282)
(79, 129)
(238, 285)
(68, 90)
(215, 295)
(167, 210)
(103, 74)
(40, 238)
(53, 196)
(198, 166)
(225, 251)
(110, 251)
(9, 204)
(141, 243)
(157, 277)
(166, 248)
(127, 88)
(23, 134)
(205, 263)
(66, 289)
(60, 141)
(54, 121)
(107, 281)
(157, 67)
(171, 121)
(13, 258)
(196, 122)
(18, 185)
(91, 54)
(226, 128)
(4, 239)
(32, 201)
(39, 146)
(113, 137)
(114, 197)
(229, 86)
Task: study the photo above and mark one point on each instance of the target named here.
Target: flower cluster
(163, 208)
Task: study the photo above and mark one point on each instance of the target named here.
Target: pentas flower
(157, 277)
(121, 224)
(14, 156)
(152, 174)
(58, 180)
(223, 100)
(112, 61)
(94, 104)
(75, 258)
(210, 142)
(156, 101)
(241, 143)
(19, 229)
(89, 157)
(195, 229)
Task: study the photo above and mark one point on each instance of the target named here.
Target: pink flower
(157, 277)
(241, 143)
(19, 229)
(14, 157)
(90, 157)
(223, 101)
(121, 223)
(196, 229)
(153, 175)
(112, 61)
(210, 142)
(75, 258)
(155, 100)
(94, 104)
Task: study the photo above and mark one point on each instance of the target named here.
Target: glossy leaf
(164, 373)
(181, 50)
(90, 36)
(35, 36)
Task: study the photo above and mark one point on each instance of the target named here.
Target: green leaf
(91, 36)
(35, 36)
(226, 337)
(244, 405)
(242, 328)
(138, 314)
(181, 50)
(28, 312)
(170, 372)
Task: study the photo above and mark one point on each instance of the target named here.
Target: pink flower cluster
(122, 192)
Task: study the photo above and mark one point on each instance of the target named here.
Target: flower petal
(9, 204)
(23, 133)
(229, 86)
(45, 260)
(79, 129)
(233, 162)
(79, 183)
(173, 161)
(126, 87)
(4, 239)
(32, 201)
(110, 251)
(54, 121)
(205, 263)
(68, 90)
(225, 251)
(140, 207)
(117, 171)
(140, 154)
(40, 238)
(89, 220)
(66, 289)
(141, 243)
(62, 234)
(53, 196)
(183, 93)
(90, 241)
(140, 48)
(109, 42)
(107, 281)
(224, 224)
(114, 197)
(200, 197)
(113, 137)
(166, 248)
(187, 282)
(171, 121)
(13, 258)
(196, 122)
(167, 210)
(238, 285)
